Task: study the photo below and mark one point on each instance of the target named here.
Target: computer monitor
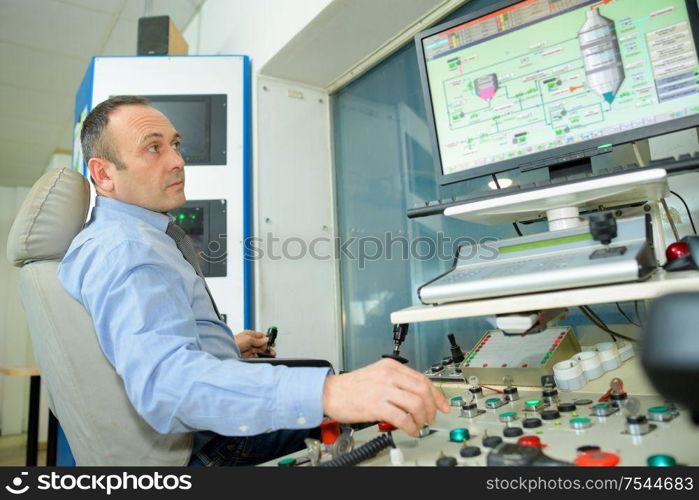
(201, 120)
(533, 84)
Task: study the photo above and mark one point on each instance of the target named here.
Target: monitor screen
(535, 79)
(201, 121)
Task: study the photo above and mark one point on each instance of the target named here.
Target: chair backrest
(85, 392)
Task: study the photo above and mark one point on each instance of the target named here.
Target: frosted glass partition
(383, 161)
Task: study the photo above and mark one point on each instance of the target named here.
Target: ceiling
(45, 47)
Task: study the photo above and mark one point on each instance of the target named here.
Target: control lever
(603, 229)
(272, 333)
(400, 331)
(457, 355)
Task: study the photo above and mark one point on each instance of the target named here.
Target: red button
(386, 427)
(329, 431)
(597, 459)
(530, 441)
(676, 250)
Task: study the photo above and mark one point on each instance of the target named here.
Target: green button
(602, 405)
(508, 414)
(659, 409)
(492, 400)
(457, 399)
(459, 435)
(532, 402)
(661, 461)
(580, 420)
(286, 462)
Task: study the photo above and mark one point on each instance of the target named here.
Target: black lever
(400, 331)
(457, 355)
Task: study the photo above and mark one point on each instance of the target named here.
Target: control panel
(509, 426)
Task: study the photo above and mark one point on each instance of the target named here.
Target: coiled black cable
(364, 452)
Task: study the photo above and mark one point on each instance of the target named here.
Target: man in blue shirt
(159, 329)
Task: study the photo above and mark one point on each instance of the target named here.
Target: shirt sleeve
(147, 329)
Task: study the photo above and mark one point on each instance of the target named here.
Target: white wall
(15, 346)
(257, 29)
(305, 310)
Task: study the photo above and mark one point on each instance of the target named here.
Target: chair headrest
(52, 214)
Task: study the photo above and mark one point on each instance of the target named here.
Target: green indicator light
(604, 146)
(580, 420)
(508, 414)
(545, 243)
(532, 402)
(181, 216)
(602, 405)
(193, 217)
(459, 435)
(543, 361)
(492, 400)
(661, 461)
(659, 409)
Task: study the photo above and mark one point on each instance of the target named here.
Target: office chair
(84, 391)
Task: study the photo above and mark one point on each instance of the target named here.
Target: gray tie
(184, 244)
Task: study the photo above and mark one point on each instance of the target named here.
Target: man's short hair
(93, 136)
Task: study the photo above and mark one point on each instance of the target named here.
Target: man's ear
(101, 170)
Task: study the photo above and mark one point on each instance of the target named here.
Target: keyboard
(672, 165)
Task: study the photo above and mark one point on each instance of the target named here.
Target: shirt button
(243, 428)
(301, 420)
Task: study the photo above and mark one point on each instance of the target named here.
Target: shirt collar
(155, 219)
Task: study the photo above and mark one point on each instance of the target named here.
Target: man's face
(149, 146)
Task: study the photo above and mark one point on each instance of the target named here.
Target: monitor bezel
(562, 154)
(216, 108)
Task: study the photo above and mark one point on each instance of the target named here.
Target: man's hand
(251, 342)
(384, 391)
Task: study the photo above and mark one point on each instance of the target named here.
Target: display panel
(204, 221)
(201, 121)
(542, 79)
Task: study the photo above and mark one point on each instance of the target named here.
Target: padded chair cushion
(87, 395)
(54, 211)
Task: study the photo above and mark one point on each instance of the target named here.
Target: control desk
(568, 428)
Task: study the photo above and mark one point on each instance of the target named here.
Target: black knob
(436, 367)
(446, 462)
(587, 447)
(603, 227)
(565, 407)
(550, 414)
(512, 432)
(476, 390)
(446, 361)
(583, 402)
(531, 423)
(637, 419)
(492, 441)
(510, 390)
(470, 451)
(549, 393)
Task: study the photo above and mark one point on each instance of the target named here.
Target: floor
(13, 450)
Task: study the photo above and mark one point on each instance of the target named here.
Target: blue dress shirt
(156, 325)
